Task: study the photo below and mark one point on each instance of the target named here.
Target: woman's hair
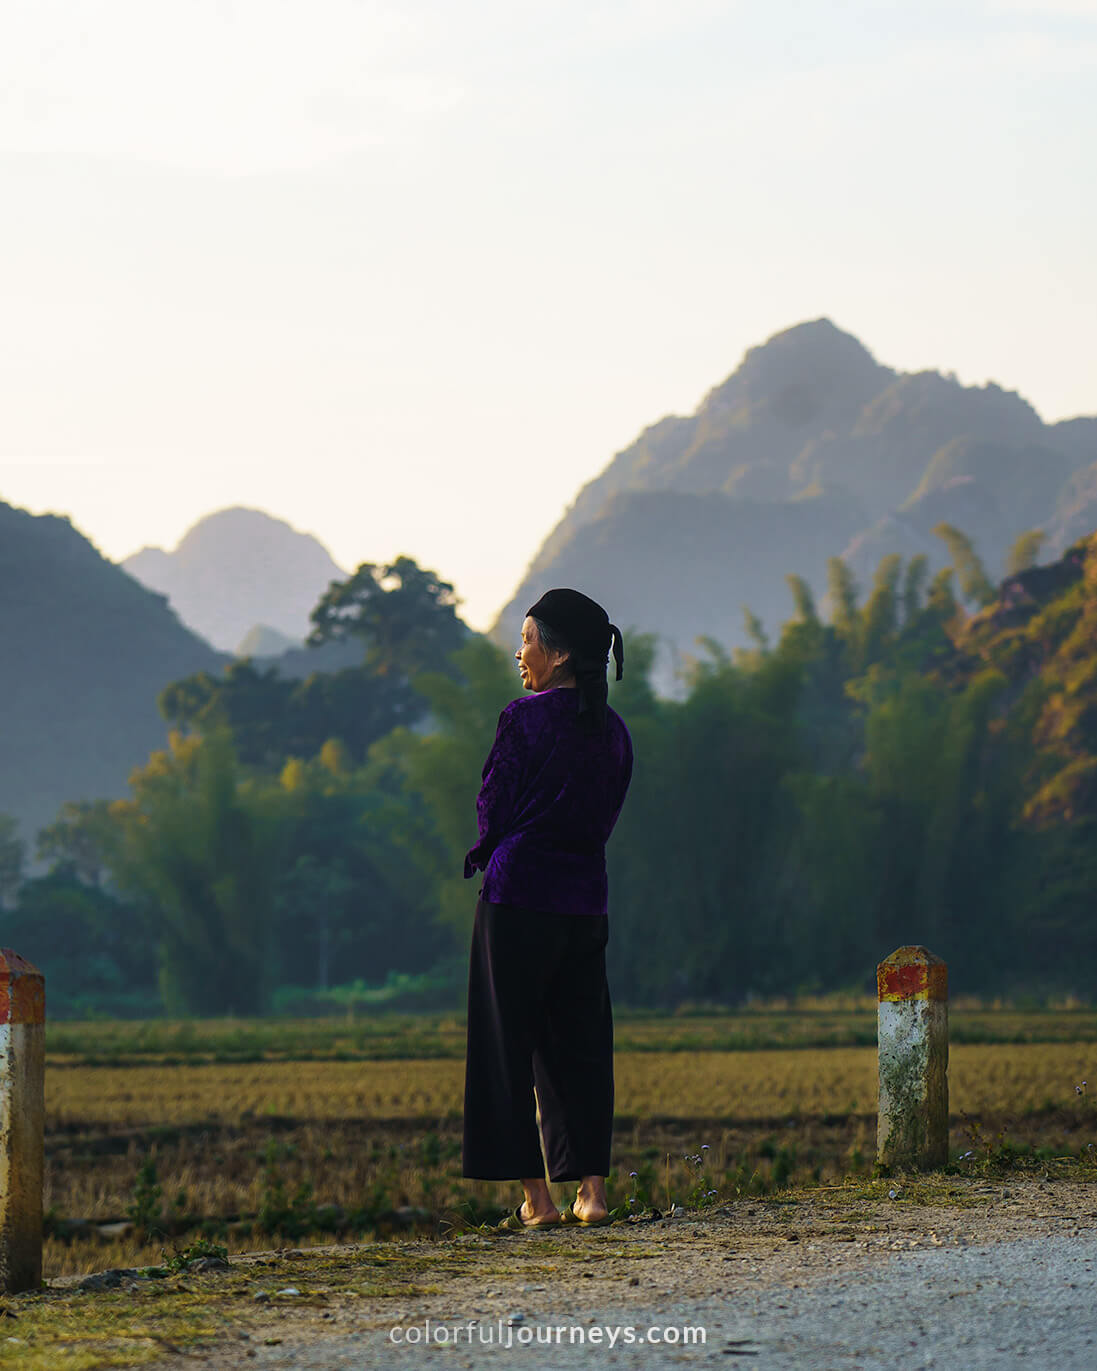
(552, 640)
(590, 675)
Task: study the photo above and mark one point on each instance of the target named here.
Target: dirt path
(952, 1272)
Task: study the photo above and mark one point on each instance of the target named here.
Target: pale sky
(407, 275)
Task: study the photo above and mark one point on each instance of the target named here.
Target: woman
(538, 1005)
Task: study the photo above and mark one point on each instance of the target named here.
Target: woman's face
(539, 670)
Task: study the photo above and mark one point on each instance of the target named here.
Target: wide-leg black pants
(538, 1015)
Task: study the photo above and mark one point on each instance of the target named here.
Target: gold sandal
(514, 1223)
(569, 1216)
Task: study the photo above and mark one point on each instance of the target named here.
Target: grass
(62, 1329)
(427, 1037)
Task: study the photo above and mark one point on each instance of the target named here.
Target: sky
(408, 275)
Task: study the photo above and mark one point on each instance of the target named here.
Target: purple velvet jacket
(550, 797)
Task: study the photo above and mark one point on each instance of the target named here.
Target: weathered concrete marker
(912, 1037)
(22, 1113)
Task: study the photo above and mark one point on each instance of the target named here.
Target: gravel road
(997, 1305)
(1003, 1278)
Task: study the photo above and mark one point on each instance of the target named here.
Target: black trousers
(538, 1015)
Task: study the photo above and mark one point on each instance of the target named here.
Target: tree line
(918, 764)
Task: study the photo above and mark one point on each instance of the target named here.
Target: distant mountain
(656, 560)
(236, 569)
(264, 641)
(86, 651)
(269, 648)
(810, 449)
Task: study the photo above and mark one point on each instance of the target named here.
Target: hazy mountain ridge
(678, 532)
(809, 449)
(87, 649)
(238, 568)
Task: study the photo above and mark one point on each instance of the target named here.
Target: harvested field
(679, 1085)
(254, 1151)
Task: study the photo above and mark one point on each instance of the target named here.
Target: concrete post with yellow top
(912, 1038)
(22, 1114)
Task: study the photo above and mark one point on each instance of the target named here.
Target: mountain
(658, 561)
(809, 449)
(238, 569)
(291, 658)
(264, 641)
(86, 652)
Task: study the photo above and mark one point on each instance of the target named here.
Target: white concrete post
(912, 1027)
(22, 1114)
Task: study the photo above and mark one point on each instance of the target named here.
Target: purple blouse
(550, 797)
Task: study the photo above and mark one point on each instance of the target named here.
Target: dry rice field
(758, 1085)
(367, 1145)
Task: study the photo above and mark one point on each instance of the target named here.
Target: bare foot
(537, 1208)
(590, 1201)
(534, 1218)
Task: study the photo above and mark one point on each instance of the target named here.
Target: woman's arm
(499, 792)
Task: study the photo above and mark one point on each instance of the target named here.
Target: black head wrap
(584, 625)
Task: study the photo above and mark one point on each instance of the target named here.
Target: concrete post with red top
(912, 1037)
(22, 1114)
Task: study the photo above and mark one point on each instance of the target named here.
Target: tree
(314, 895)
(271, 717)
(913, 582)
(941, 599)
(803, 599)
(842, 593)
(880, 617)
(83, 838)
(354, 705)
(96, 951)
(404, 615)
(695, 667)
(1025, 551)
(971, 576)
(201, 848)
(755, 631)
(254, 705)
(353, 900)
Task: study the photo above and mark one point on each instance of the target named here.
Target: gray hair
(552, 640)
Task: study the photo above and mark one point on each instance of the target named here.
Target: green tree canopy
(404, 615)
(971, 575)
(82, 839)
(201, 851)
(1025, 552)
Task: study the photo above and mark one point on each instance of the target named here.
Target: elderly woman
(538, 1004)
